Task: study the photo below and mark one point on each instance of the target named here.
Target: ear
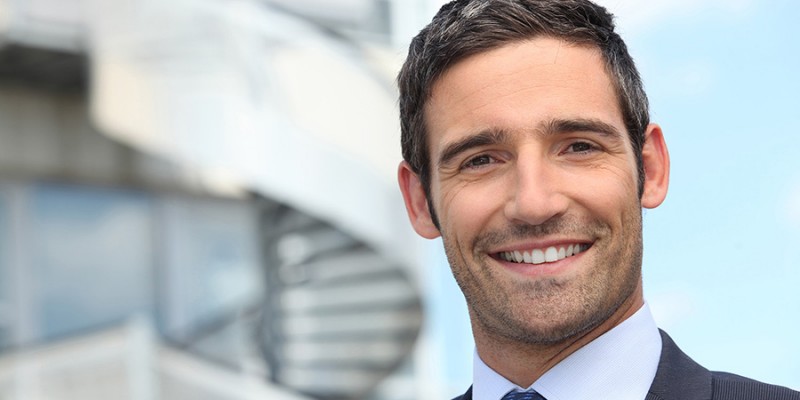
(416, 202)
(655, 159)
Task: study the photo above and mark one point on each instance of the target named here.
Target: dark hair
(463, 28)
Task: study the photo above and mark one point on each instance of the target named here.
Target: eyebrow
(484, 138)
(558, 126)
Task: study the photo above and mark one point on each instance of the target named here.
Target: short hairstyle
(463, 28)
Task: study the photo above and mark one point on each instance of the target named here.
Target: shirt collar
(620, 365)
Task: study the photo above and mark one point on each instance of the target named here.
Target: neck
(524, 363)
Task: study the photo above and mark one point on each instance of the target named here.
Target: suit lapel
(678, 377)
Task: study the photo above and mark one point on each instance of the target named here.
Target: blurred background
(198, 199)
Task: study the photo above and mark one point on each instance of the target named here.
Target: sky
(721, 267)
(721, 272)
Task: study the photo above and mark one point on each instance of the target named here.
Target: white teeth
(538, 256)
(551, 254)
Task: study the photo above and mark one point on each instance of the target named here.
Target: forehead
(519, 86)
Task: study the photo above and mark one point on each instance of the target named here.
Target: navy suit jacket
(680, 378)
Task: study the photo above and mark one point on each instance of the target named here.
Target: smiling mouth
(546, 255)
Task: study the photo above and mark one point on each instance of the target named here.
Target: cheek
(469, 205)
(606, 190)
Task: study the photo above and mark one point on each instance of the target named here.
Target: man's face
(535, 185)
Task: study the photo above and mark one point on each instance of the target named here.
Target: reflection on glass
(4, 275)
(92, 257)
(212, 262)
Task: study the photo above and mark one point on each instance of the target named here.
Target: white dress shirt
(618, 365)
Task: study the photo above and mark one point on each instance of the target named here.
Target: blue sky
(722, 268)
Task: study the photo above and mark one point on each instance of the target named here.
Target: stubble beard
(551, 310)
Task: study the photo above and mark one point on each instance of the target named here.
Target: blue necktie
(515, 395)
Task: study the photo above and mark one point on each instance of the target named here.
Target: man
(528, 149)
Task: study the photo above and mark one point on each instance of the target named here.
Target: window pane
(91, 257)
(212, 262)
(5, 264)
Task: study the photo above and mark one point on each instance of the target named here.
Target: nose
(537, 191)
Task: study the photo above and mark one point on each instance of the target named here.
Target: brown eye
(580, 147)
(478, 161)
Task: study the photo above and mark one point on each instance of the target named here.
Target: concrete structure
(203, 165)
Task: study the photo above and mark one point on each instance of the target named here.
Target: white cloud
(793, 206)
(670, 306)
(634, 16)
(690, 78)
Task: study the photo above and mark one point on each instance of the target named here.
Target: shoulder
(680, 378)
(734, 387)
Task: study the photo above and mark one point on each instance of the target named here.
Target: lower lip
(559, 267)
